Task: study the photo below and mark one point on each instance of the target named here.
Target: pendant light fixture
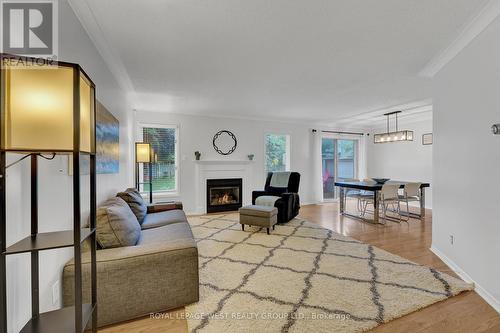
(393, 136)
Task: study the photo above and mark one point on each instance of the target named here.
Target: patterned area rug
(303, 278)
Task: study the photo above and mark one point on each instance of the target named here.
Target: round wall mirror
(224, 142)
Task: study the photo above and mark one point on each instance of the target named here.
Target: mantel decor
(224, 142)
(48, 110)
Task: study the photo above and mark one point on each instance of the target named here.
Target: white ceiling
(303, 60)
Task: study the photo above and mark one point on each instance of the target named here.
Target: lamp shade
(40, 105)
(142, 152)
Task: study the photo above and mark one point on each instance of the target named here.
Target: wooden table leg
(375, 207)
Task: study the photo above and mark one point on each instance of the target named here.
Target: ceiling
(300, 60)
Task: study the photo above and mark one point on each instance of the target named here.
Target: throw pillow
(116, 224)
(134, 199)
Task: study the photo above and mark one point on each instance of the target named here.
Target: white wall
(196, 133)
(55, 196)
(467, 163)
(410, 160)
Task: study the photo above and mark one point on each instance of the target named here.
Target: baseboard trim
(466, 277)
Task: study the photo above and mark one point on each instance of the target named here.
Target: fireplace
(224, 194)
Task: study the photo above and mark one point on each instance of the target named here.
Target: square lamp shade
(46, 107)
(143, 152)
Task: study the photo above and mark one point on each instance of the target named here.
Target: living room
(250, 166)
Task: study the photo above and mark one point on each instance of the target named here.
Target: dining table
(374, 187)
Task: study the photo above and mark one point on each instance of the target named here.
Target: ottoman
(260, 216)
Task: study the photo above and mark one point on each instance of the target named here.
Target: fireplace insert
(224, 194)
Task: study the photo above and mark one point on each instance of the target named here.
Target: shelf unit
(77, 317)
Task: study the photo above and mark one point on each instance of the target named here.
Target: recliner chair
(286, 198)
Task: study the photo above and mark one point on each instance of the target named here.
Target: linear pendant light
(393, 136)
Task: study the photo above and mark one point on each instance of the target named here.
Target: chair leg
(399, 211)
(268, 231)
(273, 226)
(243, 227)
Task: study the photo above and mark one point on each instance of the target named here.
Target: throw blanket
(266, 200)
(280, 179)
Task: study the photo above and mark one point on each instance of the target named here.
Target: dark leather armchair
(288, 204)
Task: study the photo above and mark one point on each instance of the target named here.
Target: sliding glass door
(339, 162)
(328, 165)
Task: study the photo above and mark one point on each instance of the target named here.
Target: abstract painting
(107, 141)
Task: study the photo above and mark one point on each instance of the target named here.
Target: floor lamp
(48, 110)
(144, 154)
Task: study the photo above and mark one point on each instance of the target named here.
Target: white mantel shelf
(223, 161)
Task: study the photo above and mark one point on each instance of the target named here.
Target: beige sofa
(158, 273)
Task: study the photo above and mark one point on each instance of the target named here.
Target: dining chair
(411, 193)
(359, 195)
(389, 195)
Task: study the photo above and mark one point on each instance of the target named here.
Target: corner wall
(410, 160)
(467, 164)
(55, 194)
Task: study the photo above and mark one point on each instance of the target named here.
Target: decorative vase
(250, 157)
(197, 155)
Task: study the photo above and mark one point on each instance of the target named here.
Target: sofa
(147, 260)
(280, 191)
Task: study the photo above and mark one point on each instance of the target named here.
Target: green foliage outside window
(163, 142)
(276, 152)
(346, 149)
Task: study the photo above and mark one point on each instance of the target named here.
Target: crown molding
(89, 22)
(403, 120)
(414, 111)
(473, 28)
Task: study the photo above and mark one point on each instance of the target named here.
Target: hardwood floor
(466, 312)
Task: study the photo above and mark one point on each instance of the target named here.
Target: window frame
(288, 165)
(139, 135)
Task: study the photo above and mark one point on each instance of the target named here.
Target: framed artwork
(107, 145)
(107, 141)
(427, 139)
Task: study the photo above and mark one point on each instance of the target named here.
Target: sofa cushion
(166, 233)
(137, 204)
(154, 220)
(116, 224)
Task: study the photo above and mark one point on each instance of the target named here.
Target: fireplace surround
(224, 194)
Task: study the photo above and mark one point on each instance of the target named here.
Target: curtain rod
(340, 132)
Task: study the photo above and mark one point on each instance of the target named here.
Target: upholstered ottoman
(260, 216)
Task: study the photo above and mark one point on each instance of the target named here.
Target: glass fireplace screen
(224, 195)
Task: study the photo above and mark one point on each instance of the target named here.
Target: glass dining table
(374, 187)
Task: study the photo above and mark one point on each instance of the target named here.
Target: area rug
(303, 278)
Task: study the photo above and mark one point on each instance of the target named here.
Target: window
(163, 140)
(277, 152)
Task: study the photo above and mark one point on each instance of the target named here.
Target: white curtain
(317, 172)
(362, 158)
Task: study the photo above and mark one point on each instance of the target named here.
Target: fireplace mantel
(223, 161)
(219, 169)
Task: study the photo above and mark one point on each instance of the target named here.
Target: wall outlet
(56, 292)
(452, 239)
